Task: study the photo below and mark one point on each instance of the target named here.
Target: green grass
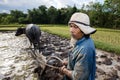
(11, 25)
(110, 37)
(105, 39)
(7, 28)
(60, 31)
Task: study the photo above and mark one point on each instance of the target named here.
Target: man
(81, 63)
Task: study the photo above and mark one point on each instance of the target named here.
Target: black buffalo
(33, 33)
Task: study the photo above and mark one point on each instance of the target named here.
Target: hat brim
(85, 29)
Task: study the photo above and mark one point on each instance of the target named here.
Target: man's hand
(65, 62)
(64, 70)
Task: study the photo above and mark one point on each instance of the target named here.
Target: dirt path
(16, 62)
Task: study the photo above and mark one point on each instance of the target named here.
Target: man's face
(75, 31)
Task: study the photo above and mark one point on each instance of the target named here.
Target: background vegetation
(101, 15)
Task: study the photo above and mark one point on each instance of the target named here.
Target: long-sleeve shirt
(82, 61)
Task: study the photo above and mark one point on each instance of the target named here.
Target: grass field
(105, 39)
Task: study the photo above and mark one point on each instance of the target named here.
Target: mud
(16, 62)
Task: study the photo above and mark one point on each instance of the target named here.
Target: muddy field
(16, 62)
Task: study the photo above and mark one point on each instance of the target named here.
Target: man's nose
(71, 29)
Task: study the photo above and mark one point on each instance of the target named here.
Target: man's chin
(73, 36)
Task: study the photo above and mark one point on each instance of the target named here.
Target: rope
(35, 56)
(55, 58)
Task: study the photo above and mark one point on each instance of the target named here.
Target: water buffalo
(33, 33)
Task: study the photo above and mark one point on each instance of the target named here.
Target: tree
(95, 11)
(15, 14)
(43, 14)
(52, 15)
(101, 15)
(2, 16)
(112, 8)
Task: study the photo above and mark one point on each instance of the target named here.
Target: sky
(23, 5)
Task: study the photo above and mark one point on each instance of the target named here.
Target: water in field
(16, 62)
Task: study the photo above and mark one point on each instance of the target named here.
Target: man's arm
(66, 71)
(80, 71)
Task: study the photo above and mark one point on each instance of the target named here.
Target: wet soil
(16, 62)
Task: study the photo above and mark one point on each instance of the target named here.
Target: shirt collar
(80, 41)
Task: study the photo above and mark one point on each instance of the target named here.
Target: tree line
(101, 15)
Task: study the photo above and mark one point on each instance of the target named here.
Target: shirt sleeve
(81, 68)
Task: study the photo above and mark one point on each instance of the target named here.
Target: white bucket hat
(83, 22)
